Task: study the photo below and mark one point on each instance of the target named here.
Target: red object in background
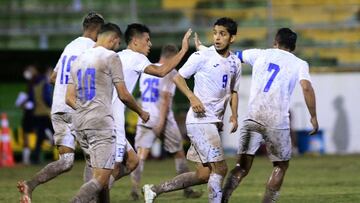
(6, 153)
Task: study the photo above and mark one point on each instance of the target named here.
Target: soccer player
(60, 112)
(275, 73)
(216, 73)
(156, 98)
(134, 61)
(89, 93)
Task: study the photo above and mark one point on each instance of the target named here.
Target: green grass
(309, 179)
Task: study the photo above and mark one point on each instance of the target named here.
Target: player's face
(222, 38)
(143, 43)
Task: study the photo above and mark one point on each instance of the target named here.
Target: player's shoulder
(80, 42)
(131, 53)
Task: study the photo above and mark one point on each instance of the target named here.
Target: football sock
(214, 187)
(87, 192)
(179, 182)
(52, 170)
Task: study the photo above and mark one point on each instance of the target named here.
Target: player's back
(93, 74)
(150, 89)
(274, 76)
(70, 53)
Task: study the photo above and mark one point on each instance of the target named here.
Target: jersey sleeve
(249, 56)
(192, 65)
(304, 72)
(143, 62)
(167, 84)
(58, 64)
(235, 81)
(116, 69)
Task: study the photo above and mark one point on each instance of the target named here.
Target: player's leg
(102, 156)
(144, 139)
(278, 145)
(66, 145)
(249, 142)
(173, 144)
(184, 180)
(236, 175)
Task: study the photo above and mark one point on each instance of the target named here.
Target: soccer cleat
(192, 194)
(149, 194)
(24, 191)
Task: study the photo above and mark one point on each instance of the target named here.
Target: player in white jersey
(134, 61)
(89, 93)
(156, 98)
(60, 112)
(217, 75)
(275, 73)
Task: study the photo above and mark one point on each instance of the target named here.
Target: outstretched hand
(197, 41)
(185, 41)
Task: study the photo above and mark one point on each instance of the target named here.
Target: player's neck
(224, 52)
(89, 34)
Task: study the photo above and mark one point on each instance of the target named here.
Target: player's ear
(232, 38)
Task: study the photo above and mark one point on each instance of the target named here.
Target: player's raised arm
(310, 101)
(195, 103)
(165, 68)
(198, 45)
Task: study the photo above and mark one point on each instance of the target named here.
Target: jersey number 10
(86, 84)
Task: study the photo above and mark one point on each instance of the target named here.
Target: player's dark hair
(110, 27)
(92, 20)
(286, 38)
(228, 23)
(169, 50)
(135, 29)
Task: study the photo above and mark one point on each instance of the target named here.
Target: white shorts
(145, 137)
(278, 141)
(100, 145)
(63, 134)
(206, 144)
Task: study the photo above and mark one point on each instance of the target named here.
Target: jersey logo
(216, 65)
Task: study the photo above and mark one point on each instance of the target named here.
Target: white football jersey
(133, 64)
(215, 78)
(62, 69)
(150, 88)
(275, 73)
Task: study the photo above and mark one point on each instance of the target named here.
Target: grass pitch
(309, 179)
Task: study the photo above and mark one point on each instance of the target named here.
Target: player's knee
(240, 171)
(132, 163)
(67, 161)
(281, 165)
(203, 174)
(221, 169)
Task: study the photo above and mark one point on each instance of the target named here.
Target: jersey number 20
(86, 84)
(276, 69)
(152, 89)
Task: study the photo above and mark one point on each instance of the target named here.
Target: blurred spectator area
(329, 30)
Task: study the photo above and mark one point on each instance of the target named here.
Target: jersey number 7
(276, 69)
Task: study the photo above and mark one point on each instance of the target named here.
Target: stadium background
(36, 31)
